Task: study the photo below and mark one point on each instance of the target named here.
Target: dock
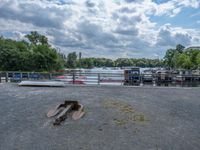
(117, 117)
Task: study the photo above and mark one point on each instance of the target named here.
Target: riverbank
(156, 118)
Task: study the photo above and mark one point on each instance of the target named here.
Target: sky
(105, 28)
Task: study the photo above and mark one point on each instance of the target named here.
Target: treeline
(181, 58)
(177, 58)
(73, 62)
(33, 54)
(36, 54)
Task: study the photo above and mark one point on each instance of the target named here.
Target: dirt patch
(125, 113)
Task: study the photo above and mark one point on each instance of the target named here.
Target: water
(181, 84)
(116, 70)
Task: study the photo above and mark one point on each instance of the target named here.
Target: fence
(19, 76)
(71, 78)
(101, 78)
(91, 78)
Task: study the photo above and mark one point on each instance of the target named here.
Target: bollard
(141, 80)
(154, 83)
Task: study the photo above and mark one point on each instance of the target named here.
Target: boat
(147, 76)
(42, 83)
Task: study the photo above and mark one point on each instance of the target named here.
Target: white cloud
(99, 28)
(189, 3)
(171, 36)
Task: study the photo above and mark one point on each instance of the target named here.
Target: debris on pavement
(61, 111)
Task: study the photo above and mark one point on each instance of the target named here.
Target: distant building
(194, 47)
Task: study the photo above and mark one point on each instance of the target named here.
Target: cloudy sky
(105, 28)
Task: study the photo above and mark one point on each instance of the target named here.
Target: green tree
(121, 62)
(35, 38)
(71, 60)
(198, 60)
(24, 56)
(180, 48)
(169, 57)
(183, 61)
(87, 63)
(193, 53)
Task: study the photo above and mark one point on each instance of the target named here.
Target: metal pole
(6, 77)
(50, 76)
(98, 78)
(73, 77)
(20, 76)
(0, 77)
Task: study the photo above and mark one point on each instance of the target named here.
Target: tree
(35, 38)
(193, 53)
(180, 48)
(87, 63)
(174, 60)
(183, 61)
(24, 56)
(121, 62)
(71, 60)
(198, 60)
(169, 57)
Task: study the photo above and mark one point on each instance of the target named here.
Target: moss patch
(127, 113)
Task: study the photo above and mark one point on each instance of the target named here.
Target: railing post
(6, 76)
(73, 77)
(21, 76)
(28, 75)
(98, 78)
(50, 76)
